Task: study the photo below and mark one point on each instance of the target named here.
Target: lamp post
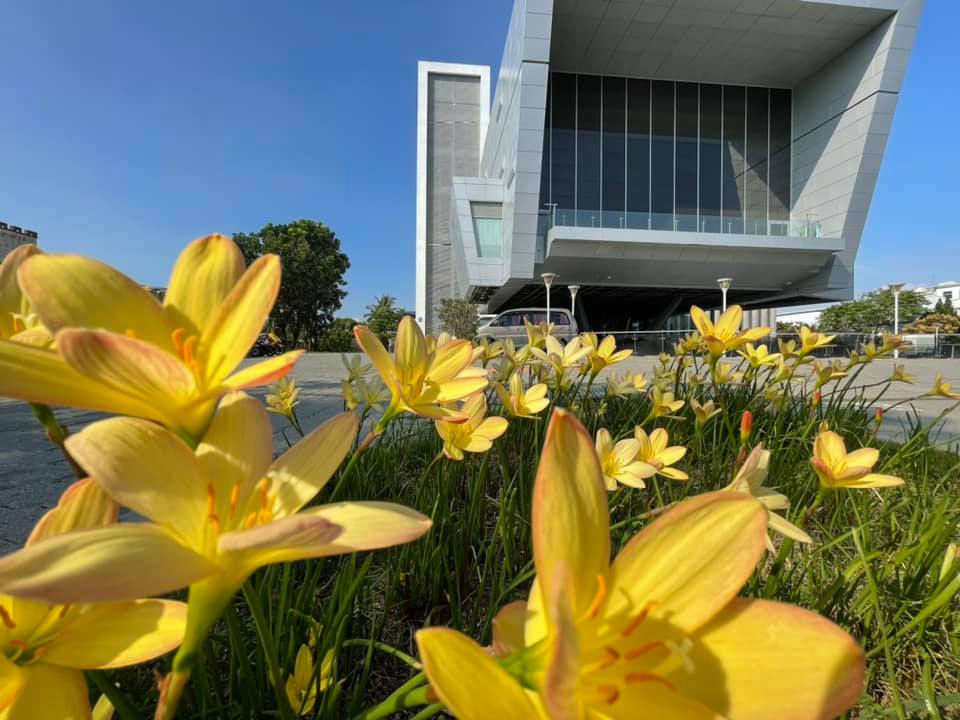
(548, 279)
(573, 300)
(724, 284)
(896, 289)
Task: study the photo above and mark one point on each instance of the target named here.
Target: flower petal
(571, 522)
(460, 388)
(457, 668)
(874, 480)
(411, 349)
(671, 455)
(119, 562)
(371, 345)
(508, 629)
(263, 372)
(295, 537)
(655, 700)
(12, 679)
(863, 458)
(11, 297)
(202, 278)
(786, 528)
(50, 691)
(303, 470)
(729, 323)
(701, 321)
(83, 505)
(112, 635)
(829, 447)
(146, 468)
(235, 324)
(692, 560)
(774, 661)
(73, 291)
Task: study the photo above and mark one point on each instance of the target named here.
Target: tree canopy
(872, 312)
(383, 316)
(459, 318)
(312, 286)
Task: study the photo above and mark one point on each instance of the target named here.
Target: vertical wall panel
(734, 149)
(758, 139)
(588, 150)
(711, 126)
(613, 190)
(662, 160)
(686, 162)
(638, 153)
(563, 146)
(780, 124)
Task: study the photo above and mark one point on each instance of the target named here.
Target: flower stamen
(644, 649)
(7, 620)
(609, 693)
(638, 620)
(644, 677)
(598, 599)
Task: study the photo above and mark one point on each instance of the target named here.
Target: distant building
(12, 235)
(810, 318)
(946, 291)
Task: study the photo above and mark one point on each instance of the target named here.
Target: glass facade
(488, 228)
(663, 155)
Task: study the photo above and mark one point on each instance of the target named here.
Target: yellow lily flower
(723, 374)
(810, 340)
(302, 685)
(620, 386)
(664, 404)
(619, 461)
(476, 435)
(900, 374)
(659, 632)
(486, 351)
(349, 393)
(749, 479)
(119, 351)
(216, 514)
(283, 397)
(522, 403)
(560, 357)
(421, 381)
(758, 356)
(788, 348)
(537, 334)
(725, 335)
(640, 382)
(18, 322)
(837, 468)
(603, 354)
(516, 358)
(704, 412)
(654, 452)
(941, 388)
(44, 648)
(355, 367)
(828, 372)
(690, 343)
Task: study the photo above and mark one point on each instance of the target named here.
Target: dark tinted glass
(563, 144)
(614, 150)
(545, 163)
(711, 124)
(733, 149)
(780, 120)
(638, 153)
(686, 172)
(662, 158)
(588, 150)
(758, 127)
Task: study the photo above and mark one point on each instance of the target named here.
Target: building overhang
(655, 258)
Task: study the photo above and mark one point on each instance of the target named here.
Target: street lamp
(896, 289)
(548, 279)
(724, 284)
(573, 299)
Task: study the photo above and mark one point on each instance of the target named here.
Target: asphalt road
(33, 473)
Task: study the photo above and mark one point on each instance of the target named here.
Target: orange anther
(7, 620)
(18, 325)
(599, 597)
(64, 610)
(644, 649)
(642, 677)
(637, 621)
(234, 499)
(609, 693)
(612, 657)
(177, 337)
(20, 645)
(211, 499)
(188, 347)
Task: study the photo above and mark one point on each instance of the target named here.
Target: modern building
(947, 292)
(12, 235)
(641, 149)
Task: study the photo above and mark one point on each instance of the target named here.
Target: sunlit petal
(202, 277)
(83, 505)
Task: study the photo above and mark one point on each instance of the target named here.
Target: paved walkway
(33, 473)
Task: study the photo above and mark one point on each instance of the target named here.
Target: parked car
(509, 324)
(266, 344)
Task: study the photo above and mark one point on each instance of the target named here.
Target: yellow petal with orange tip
(830, 447)
(202, 278)
(112, 635)
(457, 667)
(571, 522)
(295, 537)
(233, 327)
(692, 560)
(125, 561)
(508, 629)
(73, 291)
(83, 505)
(263, 372)
(774, 660)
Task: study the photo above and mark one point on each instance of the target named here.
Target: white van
(509, 324)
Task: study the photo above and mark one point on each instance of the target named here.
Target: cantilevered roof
(774, 43)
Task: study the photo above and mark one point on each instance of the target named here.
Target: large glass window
(638, 153)
(488, 228)
(614, 185)
(654, 154)
(588, 150)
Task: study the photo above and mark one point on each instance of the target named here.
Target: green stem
(57, 434)
(269, 648)
(412, 693)
(121, 704)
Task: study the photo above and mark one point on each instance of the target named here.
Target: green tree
(944, 306)
(383, 316)
(459, 318)
(312, 286)
(338, 337)
(872, 312)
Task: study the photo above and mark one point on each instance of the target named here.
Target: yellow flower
(217, 513)
(724, 374)
(941, 388)
(45, 648)
(620, 386)
(664, 404)
(302, 685)
(283, 397)
(516, 358)
(900, 374)
(537, 334)
(828, 372)
(810, 340)
(838, 469)
(522, 403)
(726, 334)
(640, 382)
(655, 453)
(119, 351)
(659, 633)
(487, 351)
(603, 354)
(689, 344)
(619, 463)
(355, 367)
(420, 381)
(18, 322)
(788, 348)
(704, 412)
(350, 396)
(476, 435)
(561, 357)
(749, 479)
(758, 357)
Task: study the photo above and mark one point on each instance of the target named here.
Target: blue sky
(126, 129)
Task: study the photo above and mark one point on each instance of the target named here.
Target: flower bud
(746, 425)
